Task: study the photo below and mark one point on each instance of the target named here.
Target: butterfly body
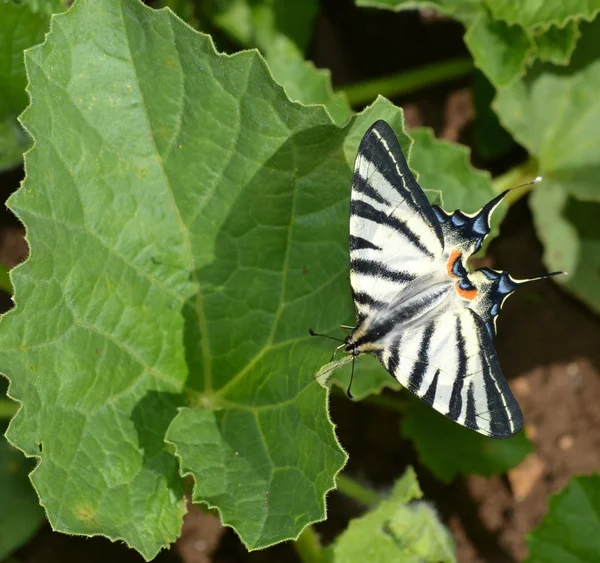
(419, 310)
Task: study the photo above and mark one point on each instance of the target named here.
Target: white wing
(450, 363)
(395, 235)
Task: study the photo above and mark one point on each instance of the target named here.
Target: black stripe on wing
(455, 406)
(503, 412)
(359, 243)
(380, 147)
(376, 269)
(415, 377)
(362, 209)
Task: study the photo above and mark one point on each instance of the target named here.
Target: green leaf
(570, 232)
(499, 50)
(555, 113)
(20, 28)
(398, 529)
(542, 14)
(303, 82)
(570, 532)
(556, 45)
(21, 513)
(449, 449)
(259, 23)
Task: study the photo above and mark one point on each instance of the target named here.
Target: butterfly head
(350, 346)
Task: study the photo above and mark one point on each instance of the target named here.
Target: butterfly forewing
(394, 234)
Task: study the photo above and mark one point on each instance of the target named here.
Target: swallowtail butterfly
(427, 319)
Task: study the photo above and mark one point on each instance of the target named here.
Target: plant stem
(515, 177)
(353, 489)
(308, 546)
(8, 408)
(405, 82)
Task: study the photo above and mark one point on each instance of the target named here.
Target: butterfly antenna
(536, 180)
(350, 396)
(313, 333)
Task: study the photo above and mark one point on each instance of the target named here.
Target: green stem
(308, 546)
(515, 177)
(353, 489)
(8, 408)
(408, 81)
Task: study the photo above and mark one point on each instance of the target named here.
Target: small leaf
(532, 15)
(556, 44)
(21, 513)
(398, 529)
(570, 232)
(449, 449)
(500, 51)
(570, 532)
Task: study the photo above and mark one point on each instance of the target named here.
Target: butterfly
(419, 310)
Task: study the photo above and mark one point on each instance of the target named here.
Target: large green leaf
(21, 514)
(400, 528)
(449, 449)
(555, 113)
(20, 28)
(570, 532)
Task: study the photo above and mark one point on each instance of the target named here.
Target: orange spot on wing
(466, 293)
(454, 256)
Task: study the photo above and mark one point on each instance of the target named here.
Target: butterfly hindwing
(450, 363)
(394, 234)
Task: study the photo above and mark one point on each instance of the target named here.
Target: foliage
(400, 528)
(448, 449)
(570, 532)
